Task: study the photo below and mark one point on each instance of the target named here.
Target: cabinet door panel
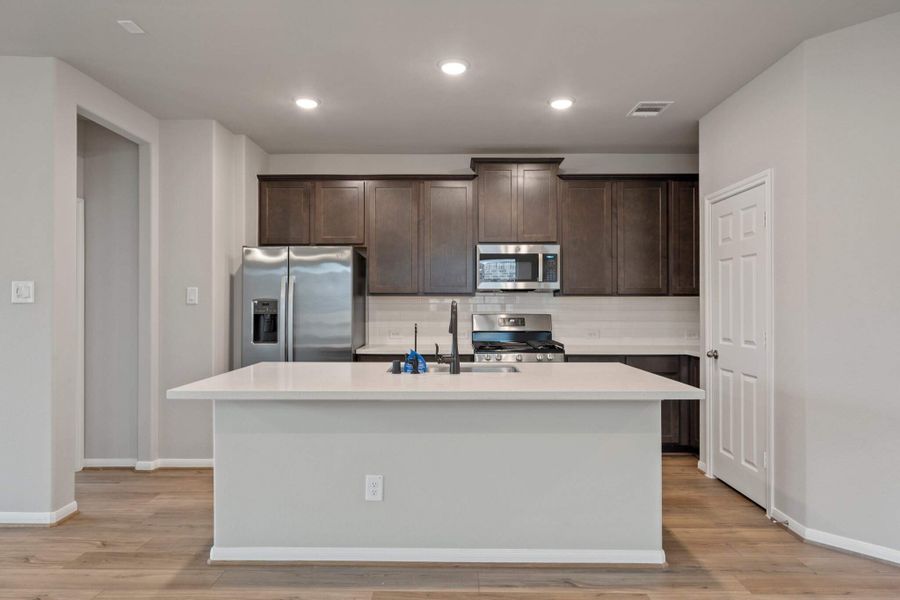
(284, 213)
(339, 212)
(684, 239)
(601, 358)
(665, 365)
(587, 237)
(642, 238)
(497, 202)
(392, 211)
(446, 233)
(537, 203)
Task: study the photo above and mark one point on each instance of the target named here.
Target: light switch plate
(192, 295)
(22, 292)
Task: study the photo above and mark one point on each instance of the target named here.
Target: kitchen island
(554, 463)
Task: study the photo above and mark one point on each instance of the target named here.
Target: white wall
(40, 101)
(381, 164)
(186, 259)
(109, 186)
(26, 252)
(824, 118)
(763, 126)
(853, 279)
(206, 192)
(251, 161)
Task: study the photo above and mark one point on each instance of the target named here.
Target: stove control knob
(540, 357)
(550, 357)
(518, 358)
(485, 357)
(497, 357)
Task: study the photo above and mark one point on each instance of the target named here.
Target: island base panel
(463, 481)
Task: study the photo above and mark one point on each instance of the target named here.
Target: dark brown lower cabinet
(680, 419)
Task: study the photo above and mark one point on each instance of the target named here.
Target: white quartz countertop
(311, 381)
(571, 348)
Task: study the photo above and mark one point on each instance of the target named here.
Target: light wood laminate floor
(147, 535)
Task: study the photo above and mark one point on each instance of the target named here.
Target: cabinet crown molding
(390, 177)
(486, 160)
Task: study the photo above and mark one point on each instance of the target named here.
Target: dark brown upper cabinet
(284, 213)
(587, 238)
(517, 199)
(497, 202)
(392, 215)
(642, 247)
(447, 237)
(684, 239)
(538, 186)
(339, 213)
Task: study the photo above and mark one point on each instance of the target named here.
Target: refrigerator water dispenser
(265, 321)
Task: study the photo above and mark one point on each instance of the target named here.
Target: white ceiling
(373, 63)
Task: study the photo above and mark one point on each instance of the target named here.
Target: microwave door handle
(282, 304)
(290, 319)
(540, 277)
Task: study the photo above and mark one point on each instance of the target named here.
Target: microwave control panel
(550, 267)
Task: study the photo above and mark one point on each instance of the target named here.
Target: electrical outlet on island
(374, 488)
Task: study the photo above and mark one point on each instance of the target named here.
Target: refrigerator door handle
(282, 297)
(290, 318)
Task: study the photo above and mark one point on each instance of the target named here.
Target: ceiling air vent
(649, 109)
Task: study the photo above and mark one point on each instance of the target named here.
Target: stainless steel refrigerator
(302, 303)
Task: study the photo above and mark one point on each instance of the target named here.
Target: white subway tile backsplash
(576, 320)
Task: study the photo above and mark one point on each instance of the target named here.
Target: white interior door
(737, 320)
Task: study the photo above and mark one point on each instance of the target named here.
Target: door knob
(713, 354)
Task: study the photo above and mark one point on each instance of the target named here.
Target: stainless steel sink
(472, 368)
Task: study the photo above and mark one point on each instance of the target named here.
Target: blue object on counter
(415, 363)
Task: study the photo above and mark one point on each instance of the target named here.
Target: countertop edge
(435, 396)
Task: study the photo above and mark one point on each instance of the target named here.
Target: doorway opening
(107, 268)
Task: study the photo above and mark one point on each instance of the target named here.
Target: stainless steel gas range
(515, 338)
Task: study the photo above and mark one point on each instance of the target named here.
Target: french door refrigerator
(302, 303)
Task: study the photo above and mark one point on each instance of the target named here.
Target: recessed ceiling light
(562, 103)
(454, 66)
(306, 103)
(130, 26)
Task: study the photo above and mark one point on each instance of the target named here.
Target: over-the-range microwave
(518, 267)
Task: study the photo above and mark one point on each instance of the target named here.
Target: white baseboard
(701, 465)
(449, 555)
(185, 463)
(173, 463)
(838, 542)
(38, 518)
(108, 462)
